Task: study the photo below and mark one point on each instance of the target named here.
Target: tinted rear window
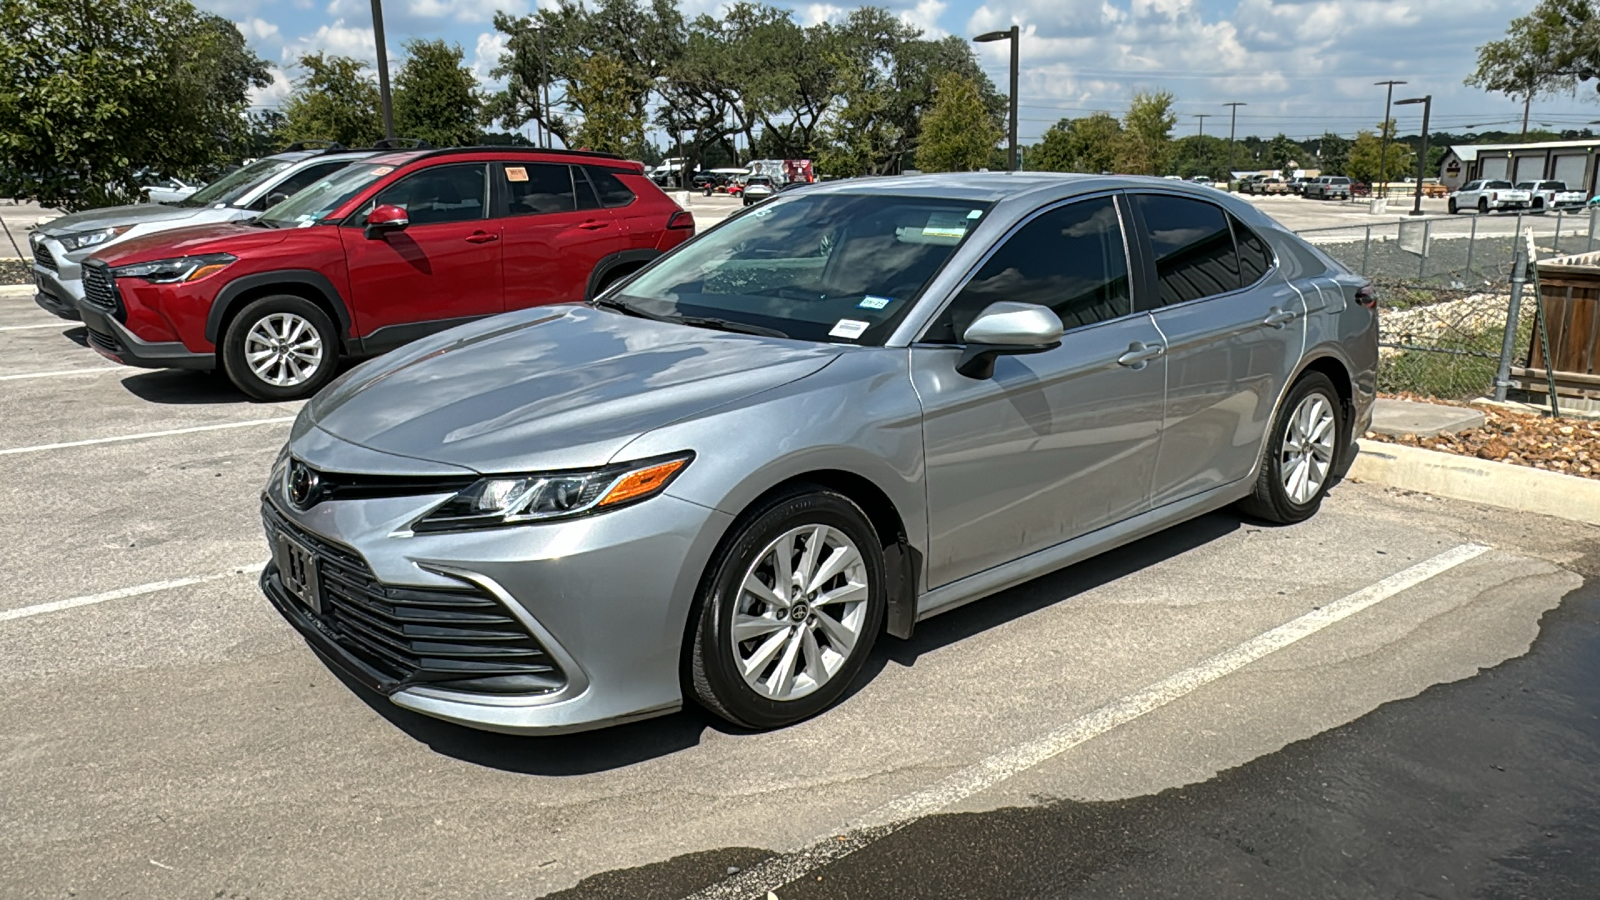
(1193, 247)
(1498, 185)
(610, 188)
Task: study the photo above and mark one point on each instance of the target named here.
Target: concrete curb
(1479, 481)
(13, 291)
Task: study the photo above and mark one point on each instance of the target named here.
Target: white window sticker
(975, 214)
(381, 171)
(516, 173)
(945, 225)
(871, 302)
(849, 329)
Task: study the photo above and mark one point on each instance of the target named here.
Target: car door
(1232, 340)
(556, 232)
(443, 268)
(1054, 444)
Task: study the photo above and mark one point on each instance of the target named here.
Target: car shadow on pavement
(78, 335)
(178, 387)
(622, 745)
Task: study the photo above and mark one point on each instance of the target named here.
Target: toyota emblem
(303, 485)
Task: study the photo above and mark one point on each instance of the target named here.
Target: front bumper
(115, 342)
(607, 596)
(55, 294)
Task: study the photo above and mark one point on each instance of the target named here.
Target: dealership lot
(167, 734)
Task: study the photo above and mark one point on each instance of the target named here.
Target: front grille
(41, 255)
(99, 288)
(463, 639)
(105, 342)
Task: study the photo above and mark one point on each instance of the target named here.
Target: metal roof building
(1569, 161)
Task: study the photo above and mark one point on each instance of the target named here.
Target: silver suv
(60, 245)
(1327, 187)
(839, 412)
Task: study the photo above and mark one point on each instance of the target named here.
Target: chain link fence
(1445, 290)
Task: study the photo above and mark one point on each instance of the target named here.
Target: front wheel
(1302, 453)
(1451, 205)
(789, 610)
(1483, 207)
(282, 347)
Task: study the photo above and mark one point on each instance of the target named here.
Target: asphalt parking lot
(166, 734)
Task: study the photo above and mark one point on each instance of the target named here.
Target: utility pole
(1383, 155)
(1203, 117)
(1422, 158)
(383, 70)
(1233, 119)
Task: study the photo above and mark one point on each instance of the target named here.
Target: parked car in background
(60, 245)
(1544, 195)
(169, 190)
(1297, 185)
(757, 188)
(1269, 185)
(373, 256)
(1203, 180)
(1488, 196)
(1327, 187)
(1247, 183)
(723, 480)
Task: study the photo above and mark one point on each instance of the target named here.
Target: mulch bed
(16, 271)
(1570, 446)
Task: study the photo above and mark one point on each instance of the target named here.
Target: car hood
(138, 214)
(554, 387)
(229, 237)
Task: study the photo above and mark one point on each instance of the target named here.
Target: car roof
(995, 186)
(406, 157)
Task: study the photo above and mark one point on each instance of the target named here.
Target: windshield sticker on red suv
(516, 173)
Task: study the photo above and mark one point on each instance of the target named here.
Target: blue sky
(1303, 66)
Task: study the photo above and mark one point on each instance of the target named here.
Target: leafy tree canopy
(436, 97)
(335, 99)
(958, 131)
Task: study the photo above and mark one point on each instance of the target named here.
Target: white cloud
(336, 39)
(258, 29)
(491, 44)
(273, 94)
(477, 11)
(817, 13)
(925, 15)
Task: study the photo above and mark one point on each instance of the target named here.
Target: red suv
(377, 254)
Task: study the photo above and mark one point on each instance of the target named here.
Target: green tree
(335, 100)
(1201, 154)
(1333, 153)
(1088, 144)
(1146, 145)
(90, 92)
(1546, 51)
(602, 91)
(958, 131)
(1367, 154)
(1282, 153)
(436, 97)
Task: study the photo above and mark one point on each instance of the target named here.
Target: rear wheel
(1538, 204)
(788, 611)
(1451, 205)
(282, 347)
(1302, 453)
(1483, 206)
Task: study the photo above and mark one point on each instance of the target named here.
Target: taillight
(681, 220)
(1494, 197)
(1367, 295)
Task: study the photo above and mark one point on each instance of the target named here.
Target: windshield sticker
(945, 225)
(381, 171)
(849, 329)
(871, 302)
(516, 173)
(975, 214)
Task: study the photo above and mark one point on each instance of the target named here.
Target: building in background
(1570, 161)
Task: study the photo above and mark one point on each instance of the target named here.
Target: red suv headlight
(182, 268)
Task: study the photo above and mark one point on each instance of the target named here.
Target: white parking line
(56, 325)
(121, 593)
(64, 373)
(39, 448)
(896, 814)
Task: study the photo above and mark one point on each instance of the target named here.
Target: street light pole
(1422, 158)
(1014, 35)
(1203, 117)
(1383, 155)
(383, 70)
(1233, 119)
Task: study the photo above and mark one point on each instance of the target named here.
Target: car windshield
(235, 184)
(318, 200)
(815, 267)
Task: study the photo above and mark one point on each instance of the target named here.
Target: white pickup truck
(1485, 196)
(1551, 195)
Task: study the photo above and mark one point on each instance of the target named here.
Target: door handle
(1140, 353)
(1279, 318)
(594, 226)
(482, 237)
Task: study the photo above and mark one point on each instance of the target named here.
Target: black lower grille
(41, 255)
(99, 288)
(105, 342)
(463, 639)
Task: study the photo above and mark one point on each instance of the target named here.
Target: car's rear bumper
(115, 342)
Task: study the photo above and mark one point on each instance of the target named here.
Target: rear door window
(610, 188)
(1192, 245)
(534, 188)
(1254, 257)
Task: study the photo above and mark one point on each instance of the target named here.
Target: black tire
(714, 673)
(1538, 205)
(1483, 206)
(238, 368)
(1451, 206)
(1271, 500)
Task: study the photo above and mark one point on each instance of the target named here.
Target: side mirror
(384, 219)
(1007, 328)
(276, 197)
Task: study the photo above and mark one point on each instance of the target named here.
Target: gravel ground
(15, 271)
(1569, 446)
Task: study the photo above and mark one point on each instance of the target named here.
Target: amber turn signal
(642, 483)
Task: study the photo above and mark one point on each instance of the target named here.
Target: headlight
(183, 268)
(82, 239)
(518, 499)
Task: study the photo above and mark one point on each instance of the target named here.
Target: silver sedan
(836, 414)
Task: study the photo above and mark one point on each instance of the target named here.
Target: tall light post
(1383, 155)
(383, 70)
(1014, 35)
(1202, 117)
(1422, 158)
(1233, 119)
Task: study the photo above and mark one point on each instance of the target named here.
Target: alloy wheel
(283, 349)
(801, 609)
(1308, 448)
